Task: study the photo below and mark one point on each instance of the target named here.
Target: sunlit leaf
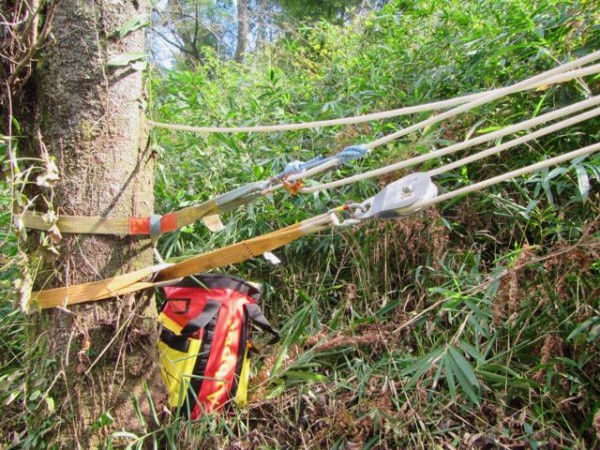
(583, 182)
(584, 326)
(125, 59)
(305, 376)
(472, 351)
(464, 374)
(450, 377)
(134, 24)
(139, 66)
(421, 366)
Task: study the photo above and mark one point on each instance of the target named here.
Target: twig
(11, 159)
(34, 48)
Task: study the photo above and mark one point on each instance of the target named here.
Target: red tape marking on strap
(139, 225)
(168, 222)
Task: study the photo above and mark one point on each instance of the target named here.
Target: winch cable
(153, 226)
(524, 85)
(241, 251)
(559, 74)
(510, 144)
(537, 81)
(443, 104)
(156, 225)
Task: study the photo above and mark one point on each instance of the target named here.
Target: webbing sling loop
(133, 282)
(104, 225)
(97, 290)
(153, 226)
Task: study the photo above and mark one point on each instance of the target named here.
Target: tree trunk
(242, 31)
(89, 118)
(261, 24)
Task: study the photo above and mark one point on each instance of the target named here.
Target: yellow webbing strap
(78, 224)
(132, 282)
(244, 250)
(96, 290)
(120, 225)
(189, 215)
(231, 254)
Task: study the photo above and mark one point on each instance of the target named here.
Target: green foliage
(125, 59)
(476, 323)
(134, 24)
(472, 325)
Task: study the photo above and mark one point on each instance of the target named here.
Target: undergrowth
(474, 324)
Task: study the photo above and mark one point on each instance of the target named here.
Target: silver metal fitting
(396, 199)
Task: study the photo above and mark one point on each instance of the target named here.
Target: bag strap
(180, 341)
(201, 320)
(258, 319)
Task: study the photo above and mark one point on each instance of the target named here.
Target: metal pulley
(396, 199)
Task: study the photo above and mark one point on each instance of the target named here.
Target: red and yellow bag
(205, 341)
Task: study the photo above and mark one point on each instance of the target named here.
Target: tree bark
(88, 118)
(242, 31)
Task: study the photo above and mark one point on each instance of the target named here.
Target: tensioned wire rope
(247, 249)
(509, 175)
(559, 74)
(531, 84)
(556, 75)
(479, 140)
(241, 251)
(378, 115)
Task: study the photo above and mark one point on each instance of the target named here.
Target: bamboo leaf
(583, 181)
(450, 377)
(306, 376)
(279, 389)
(140, 66)
(472, 351)
(421, 366)
(424, 362)
(594, 169)
(583, 327)
(125, 59)
(463, 381)
(555, 172)
(464, 365)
